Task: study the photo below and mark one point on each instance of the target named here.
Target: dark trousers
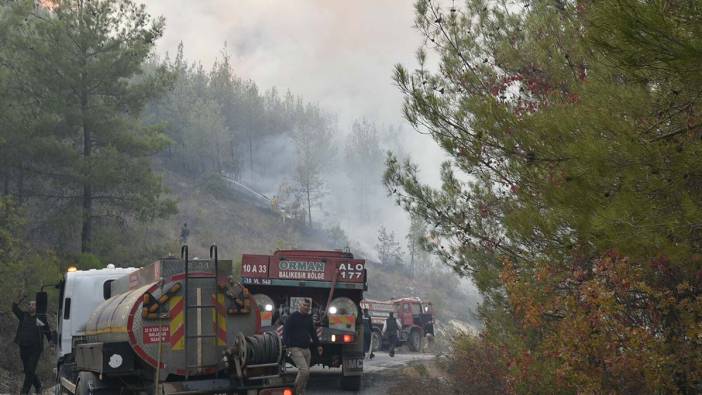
(392, 342)
(30, 358)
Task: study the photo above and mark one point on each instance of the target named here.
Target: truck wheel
(415, 340)
(377, 340)
(351, 383)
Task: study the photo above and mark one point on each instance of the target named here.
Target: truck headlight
(342, 314)
(265, 308)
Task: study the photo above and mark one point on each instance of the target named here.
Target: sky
(338, 54)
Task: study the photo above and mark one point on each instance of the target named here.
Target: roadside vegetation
(572, 192)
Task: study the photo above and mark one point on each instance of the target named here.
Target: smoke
(338, 54)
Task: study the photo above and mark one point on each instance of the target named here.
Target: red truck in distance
(334, 281)
(416, 320)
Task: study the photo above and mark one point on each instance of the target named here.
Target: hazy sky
(339, 54)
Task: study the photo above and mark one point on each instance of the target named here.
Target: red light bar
(348, 338)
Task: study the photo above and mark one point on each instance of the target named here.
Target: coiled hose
(265, 348)
(247, 351)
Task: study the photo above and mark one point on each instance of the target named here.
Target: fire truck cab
(333, 281)
(415, 315)
(85, 290)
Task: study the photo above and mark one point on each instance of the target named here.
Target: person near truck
(30, 339)
(367, 334)
(391, 329)
(298, 335)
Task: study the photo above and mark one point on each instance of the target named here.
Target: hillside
(240, 222)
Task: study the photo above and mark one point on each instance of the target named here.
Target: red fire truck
(333, 281)
(416, 319)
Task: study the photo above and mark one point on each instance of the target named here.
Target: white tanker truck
(176, 326)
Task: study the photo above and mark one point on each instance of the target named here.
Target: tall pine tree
(572, 191)
(81, 64)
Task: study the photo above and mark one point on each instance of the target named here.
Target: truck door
(416, 309)
(406, 315)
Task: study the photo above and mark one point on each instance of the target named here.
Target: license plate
(353, 364)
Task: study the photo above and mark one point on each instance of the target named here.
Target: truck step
(201, 366)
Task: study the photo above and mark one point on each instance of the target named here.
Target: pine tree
(81, 62)
(364, 164)
(313, 142)
(388, 248)
(570, 194)
(416, 237)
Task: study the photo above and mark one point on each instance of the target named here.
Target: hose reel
(257, 351)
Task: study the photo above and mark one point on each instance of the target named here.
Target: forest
(570, 192)
(93, 121)
(107, 148)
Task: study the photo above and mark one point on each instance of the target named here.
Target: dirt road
(378, 375)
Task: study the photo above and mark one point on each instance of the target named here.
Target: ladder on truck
(204, 308)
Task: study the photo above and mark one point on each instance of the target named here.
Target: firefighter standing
(298, 335)
(391, 327)
(368, 334)
(29, 338)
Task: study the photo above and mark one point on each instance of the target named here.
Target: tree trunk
(251, 154)
(86, 231)
(309, 206)
(362, 200)
(20, 185)
(413, 248)
(6, 187)
(233, 152)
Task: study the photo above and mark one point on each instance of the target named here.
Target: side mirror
(42, 299)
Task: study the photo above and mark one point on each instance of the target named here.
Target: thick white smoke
(338, 54)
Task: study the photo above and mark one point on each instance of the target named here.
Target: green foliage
(573, 131)
(23, 270)
(313, 142)
(217, 186)
(86, 261)
(219, 123)
(78, 82)
(416, 240)
(364, 164)
(388, 248)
